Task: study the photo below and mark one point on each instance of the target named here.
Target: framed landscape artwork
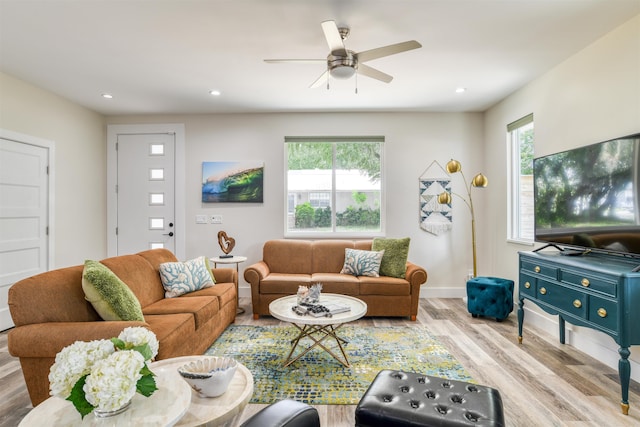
(232, 182)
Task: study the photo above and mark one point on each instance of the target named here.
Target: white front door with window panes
(145, 192)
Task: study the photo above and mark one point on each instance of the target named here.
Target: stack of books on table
(334, 308)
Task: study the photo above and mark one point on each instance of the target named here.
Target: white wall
(591, 97)
(413, 141)
(80, 164)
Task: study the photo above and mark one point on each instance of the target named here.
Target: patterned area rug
(319, 379)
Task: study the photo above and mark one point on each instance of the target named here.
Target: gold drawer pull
(585, 282)
(577, 303)
(536, 269)
(527, 285)
(602, 312)
(543, 291)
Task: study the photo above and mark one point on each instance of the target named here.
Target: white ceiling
(163, 56)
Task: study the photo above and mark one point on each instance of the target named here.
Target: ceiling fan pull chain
(356, 82)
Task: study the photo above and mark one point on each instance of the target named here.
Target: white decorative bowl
(209, 376)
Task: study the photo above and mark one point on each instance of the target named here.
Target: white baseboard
(443, 292)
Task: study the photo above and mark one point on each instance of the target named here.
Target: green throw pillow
(396, 252)
(110, 296)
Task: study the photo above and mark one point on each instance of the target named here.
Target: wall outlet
(216, 219)
(201, 219)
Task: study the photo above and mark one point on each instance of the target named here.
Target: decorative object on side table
(226, 244)
(211, 376)
(103, 375)
(445, 198)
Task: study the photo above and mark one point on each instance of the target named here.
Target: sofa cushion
(172, 330)
(279, 283)
(362, 263)
(110, 296)
(202, 308)
(179, 278)
(336, 283)
(328, 255)
(224, 292)
(384, 285)
(139, 275)
(288, 256)
(396, 252)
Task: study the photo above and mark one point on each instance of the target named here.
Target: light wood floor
(542, 382)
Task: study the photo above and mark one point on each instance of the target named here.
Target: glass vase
(105, 414)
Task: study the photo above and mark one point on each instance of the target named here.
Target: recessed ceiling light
(214, 92)
(461, 89)
(107, 95)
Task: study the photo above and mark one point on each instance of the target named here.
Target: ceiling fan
(343, 63)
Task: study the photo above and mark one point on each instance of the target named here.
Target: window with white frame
(334, 186)
(520, 137)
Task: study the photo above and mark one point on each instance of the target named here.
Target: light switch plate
(216, 219)
(201, 219)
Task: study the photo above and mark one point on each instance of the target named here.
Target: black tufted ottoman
(406, 399)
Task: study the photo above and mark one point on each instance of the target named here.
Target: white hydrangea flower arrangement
(105, 374)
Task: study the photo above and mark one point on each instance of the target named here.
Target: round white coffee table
(318, 329)
(237, 260)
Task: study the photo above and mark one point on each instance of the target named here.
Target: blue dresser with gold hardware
(596, 291)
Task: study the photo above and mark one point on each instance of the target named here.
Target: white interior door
(24, 208)
(145, 192)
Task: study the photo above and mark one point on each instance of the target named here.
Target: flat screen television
(588, 198)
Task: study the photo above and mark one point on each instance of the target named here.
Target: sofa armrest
(415, 275)
(225, 275)
(53, 337)
(256, 272)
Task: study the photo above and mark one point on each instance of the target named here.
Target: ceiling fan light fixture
(342, 72)
(342, 67)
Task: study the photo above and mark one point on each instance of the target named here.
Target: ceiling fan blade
(365, 70)
(320, 80)
(299, 61)
(392, 49)
(334, 40)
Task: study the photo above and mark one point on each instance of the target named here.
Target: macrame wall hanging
(434, 217)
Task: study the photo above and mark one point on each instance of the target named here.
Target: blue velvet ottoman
(408, 399)
(490, 297)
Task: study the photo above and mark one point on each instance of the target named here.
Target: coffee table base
(317, 334)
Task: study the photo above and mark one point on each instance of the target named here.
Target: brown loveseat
(50, 312)
(287, 264)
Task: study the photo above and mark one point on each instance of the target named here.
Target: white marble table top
(212, 411)
(281, 309)
(164, 407)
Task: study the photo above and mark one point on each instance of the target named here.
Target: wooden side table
(237, 260)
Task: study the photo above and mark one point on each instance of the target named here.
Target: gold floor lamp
(444, 198)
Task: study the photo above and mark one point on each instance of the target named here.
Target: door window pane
(156, 149)
(156, 174)
(156, 223)
(156, 199)
(156, 245)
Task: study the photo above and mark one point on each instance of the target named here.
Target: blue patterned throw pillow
(362, 263)
(179, 278)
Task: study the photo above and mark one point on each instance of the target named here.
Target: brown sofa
(287, 264)
(50, 312)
